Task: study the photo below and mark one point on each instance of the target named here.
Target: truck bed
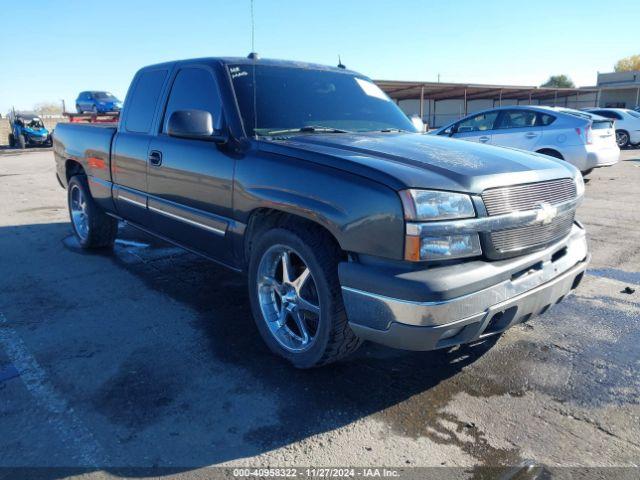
(88, 144)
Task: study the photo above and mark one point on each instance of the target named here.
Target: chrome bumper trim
(363, 306)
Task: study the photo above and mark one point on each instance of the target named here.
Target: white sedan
(627, 124)
(583, 139)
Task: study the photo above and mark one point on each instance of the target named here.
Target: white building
(619, 89)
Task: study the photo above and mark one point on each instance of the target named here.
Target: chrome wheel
(622, 138)
(79, 215)
(288, 298)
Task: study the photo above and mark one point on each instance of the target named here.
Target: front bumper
(37, 139)
(433, 308)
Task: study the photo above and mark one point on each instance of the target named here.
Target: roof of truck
(260, 61)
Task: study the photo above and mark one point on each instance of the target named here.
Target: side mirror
(194, 124)
(418, 123)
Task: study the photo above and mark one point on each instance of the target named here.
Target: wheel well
(73, 168)
(265, 219)
(551, 152)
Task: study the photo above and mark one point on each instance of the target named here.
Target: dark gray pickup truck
(349, 224)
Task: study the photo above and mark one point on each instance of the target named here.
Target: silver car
(583, 139)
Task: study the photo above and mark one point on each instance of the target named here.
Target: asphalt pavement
(148, 357)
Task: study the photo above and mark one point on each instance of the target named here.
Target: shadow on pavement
(226, 362)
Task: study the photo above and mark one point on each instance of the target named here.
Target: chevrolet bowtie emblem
(546, 213)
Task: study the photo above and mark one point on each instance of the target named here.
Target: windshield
(289, 99)
(105, 96)
(35, 123)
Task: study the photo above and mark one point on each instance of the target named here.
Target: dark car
(97, 102)
(349, 224)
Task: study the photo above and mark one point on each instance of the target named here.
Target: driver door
(190, 181)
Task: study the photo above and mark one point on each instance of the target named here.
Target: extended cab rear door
(131, 147)
(190, 181)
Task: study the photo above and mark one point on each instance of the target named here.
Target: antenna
(253, 30)
(340, 65)
(254, 57)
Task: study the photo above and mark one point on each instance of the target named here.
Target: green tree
(628, 64)
(559, 81)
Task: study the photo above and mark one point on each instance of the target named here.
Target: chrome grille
(503, 200)
(527, 197)
(532, 236)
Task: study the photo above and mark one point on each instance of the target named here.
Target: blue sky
(51, 50)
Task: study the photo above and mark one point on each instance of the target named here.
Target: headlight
(579, 184)
(432, 205)
(429, 205)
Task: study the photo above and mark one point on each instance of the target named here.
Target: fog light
(450, 246)
(451, 332)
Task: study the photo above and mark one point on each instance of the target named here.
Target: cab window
(144, 99)
(194, 89)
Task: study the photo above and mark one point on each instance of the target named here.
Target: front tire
(78, 109)
(92, 227)
(296, 297)
(622, 138)
(21, 142)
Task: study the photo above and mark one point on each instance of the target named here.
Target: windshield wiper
(307, 129)
(387, 130)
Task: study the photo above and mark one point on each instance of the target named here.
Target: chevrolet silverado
(348, 223)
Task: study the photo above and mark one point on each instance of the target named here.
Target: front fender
(364, 216)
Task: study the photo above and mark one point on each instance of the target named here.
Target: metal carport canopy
(406, 90)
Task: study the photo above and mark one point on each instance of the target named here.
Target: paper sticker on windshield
(372, 89)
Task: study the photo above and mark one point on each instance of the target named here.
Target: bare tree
(48, 108)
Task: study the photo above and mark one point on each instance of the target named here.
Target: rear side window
(517, 119)
(193, 88)
(144, 99)
(544, 120)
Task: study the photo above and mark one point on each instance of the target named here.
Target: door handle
(155, 158)
(483, 139)
(531, 135)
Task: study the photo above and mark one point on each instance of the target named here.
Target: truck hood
(410, 160)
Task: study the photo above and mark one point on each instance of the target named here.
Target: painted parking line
(63, 418)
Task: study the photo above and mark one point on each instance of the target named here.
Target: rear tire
(78, 109)
(327, 330)
(92, 227)
(622, 138)
(21, 142)
(12, 140)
